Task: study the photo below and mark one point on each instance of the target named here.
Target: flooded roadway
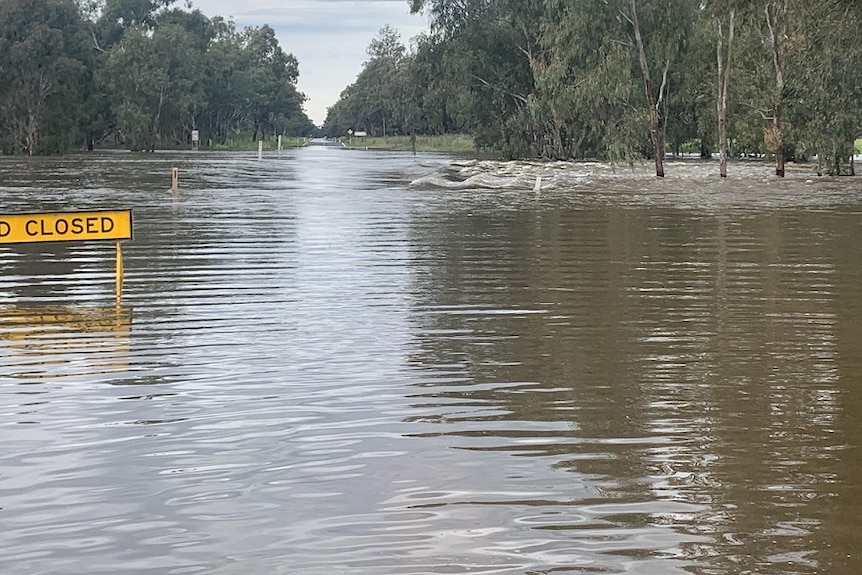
(333, 361)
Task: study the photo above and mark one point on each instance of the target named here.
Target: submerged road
(323, 142)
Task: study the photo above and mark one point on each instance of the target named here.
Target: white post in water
(175, 179)
(260, 150)
(538, 187)
(279, 143)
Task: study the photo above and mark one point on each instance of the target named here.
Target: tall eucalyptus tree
(44, 63)
(497, 44)
(375, 103)
(599, 52)
(658, 30)
(828, 91)
(587, 81)
(116, 16)
(724, 53)
(271, 75)
(777, 39)
(155, 84)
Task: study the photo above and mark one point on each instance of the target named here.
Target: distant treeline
(622, 79)
(138, 74)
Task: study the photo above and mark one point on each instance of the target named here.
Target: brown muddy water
(344, 362)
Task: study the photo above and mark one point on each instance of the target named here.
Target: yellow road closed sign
(65, 227)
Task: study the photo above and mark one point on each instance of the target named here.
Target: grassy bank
(245, 143)
(445, 143)
(452, 143)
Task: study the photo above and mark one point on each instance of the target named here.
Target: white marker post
(279, 143)
(175, 180)
(260, 150)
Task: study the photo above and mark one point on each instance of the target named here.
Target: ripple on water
(334, 361)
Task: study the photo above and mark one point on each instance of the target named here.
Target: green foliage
(377, 102)
(43, 63)
(139, 74)
(452, 143)
(566, 79)
(244, 142)
(612, 79)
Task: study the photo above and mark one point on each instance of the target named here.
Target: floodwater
(347, 362)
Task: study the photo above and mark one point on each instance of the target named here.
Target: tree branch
(662, 89)
(96, 43)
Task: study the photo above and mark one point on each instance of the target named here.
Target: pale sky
(328, 37)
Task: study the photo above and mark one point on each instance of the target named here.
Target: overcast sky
(328, 37)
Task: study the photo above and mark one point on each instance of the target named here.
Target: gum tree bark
(724, 59)
(653, 103)
(776, 21)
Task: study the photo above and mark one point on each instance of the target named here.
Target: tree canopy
(605, 79)
(140, 74)
(622, 79)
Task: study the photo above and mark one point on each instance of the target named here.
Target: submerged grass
(245, 143)
(444, 143)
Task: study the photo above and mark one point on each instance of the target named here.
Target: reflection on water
(353, 362)
(90, 341)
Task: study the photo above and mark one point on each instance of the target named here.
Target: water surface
(332, 361)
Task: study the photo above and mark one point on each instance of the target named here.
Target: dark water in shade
(318, 368)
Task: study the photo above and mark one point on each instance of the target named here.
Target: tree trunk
(779, 148)
(656, 137)
(776, 20)
(576, 148)
(157, 120)
(32, 133)
(724, 59)
(558, 151)
(836, 158)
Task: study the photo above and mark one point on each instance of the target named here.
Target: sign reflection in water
(617, 375)
(49, 343)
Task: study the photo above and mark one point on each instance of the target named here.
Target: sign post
(70, 226)
(119, 272)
